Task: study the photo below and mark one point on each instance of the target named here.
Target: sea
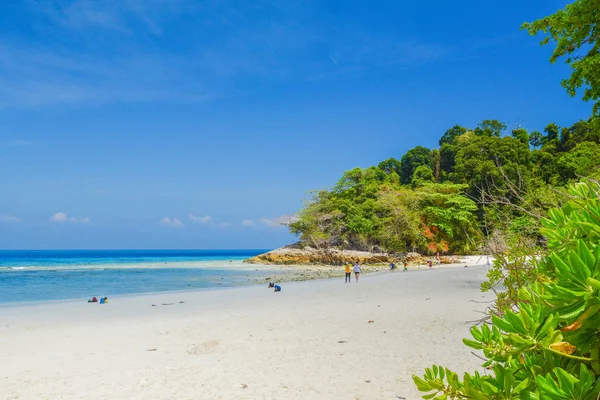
(43, 275)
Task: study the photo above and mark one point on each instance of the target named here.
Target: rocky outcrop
(295, 255)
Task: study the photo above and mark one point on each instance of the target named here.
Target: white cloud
(5, 218)
(171, 222)
(200, 220)
(248, 222)
(61, 217)
(224, 225)
(278, 222)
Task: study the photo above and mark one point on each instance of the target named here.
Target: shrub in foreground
(548, 345)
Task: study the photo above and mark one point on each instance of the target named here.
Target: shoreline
(247, 342)
(282, 274)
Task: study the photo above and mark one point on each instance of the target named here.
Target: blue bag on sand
(102, 300)
(277, 288)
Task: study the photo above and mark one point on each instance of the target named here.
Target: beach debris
(367, 381)
(244, 386)
(401, 398)
(167, 304)
(153, 305)
(342, 341)
(152, 349)
(370, 321)
(429, 298)
(181, 302)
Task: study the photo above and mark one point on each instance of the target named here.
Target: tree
(436, 161)
(490, 127)
(551, 130)
(447, 154)
(576, 32)
(390, 165)
(411, 160)
(477, 162)
(521, 135)
(583, 160)
(535, 139)
(422, 175)
(448, 219)
(579, 132)
(451, 134)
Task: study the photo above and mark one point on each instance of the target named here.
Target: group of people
(349, 268)
(436, 260)
(394, 266)
(103, 300)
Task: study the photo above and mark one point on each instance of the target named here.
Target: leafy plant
(547, 345)
(574, 29)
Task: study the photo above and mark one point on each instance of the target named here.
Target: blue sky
(201, 124)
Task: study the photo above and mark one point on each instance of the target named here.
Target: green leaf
(548, 325)
(593, 283)
(566, 381)
(422, 385)
(473, 344)
(521, 386)
(503, 325)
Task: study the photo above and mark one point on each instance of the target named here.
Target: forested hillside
(484, 185)
(481, 181)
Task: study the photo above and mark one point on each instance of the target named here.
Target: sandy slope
(311, 341)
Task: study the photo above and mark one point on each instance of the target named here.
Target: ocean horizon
(40, 275)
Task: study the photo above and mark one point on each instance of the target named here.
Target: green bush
(547, 345)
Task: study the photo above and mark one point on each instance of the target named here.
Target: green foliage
(490, 127)
(422, 175)
(582, 160)
(368, 208)
(547, 345)
(451, 134)
(521, 135)
(485, 162)
(513, 267)
(388, 206)
(575, 30)
(413, 159)
(551, 131)
(535, 139)
(448, 218)
(390, 165)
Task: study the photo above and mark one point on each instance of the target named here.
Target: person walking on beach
(356, 271)
(405, 265)
(348, 273)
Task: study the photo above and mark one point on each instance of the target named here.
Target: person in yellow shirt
(348, 272)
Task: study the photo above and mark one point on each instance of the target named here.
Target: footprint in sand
(203, 348)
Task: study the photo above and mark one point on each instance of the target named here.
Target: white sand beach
(313, 340)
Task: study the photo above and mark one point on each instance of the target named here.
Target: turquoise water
(74, 274)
